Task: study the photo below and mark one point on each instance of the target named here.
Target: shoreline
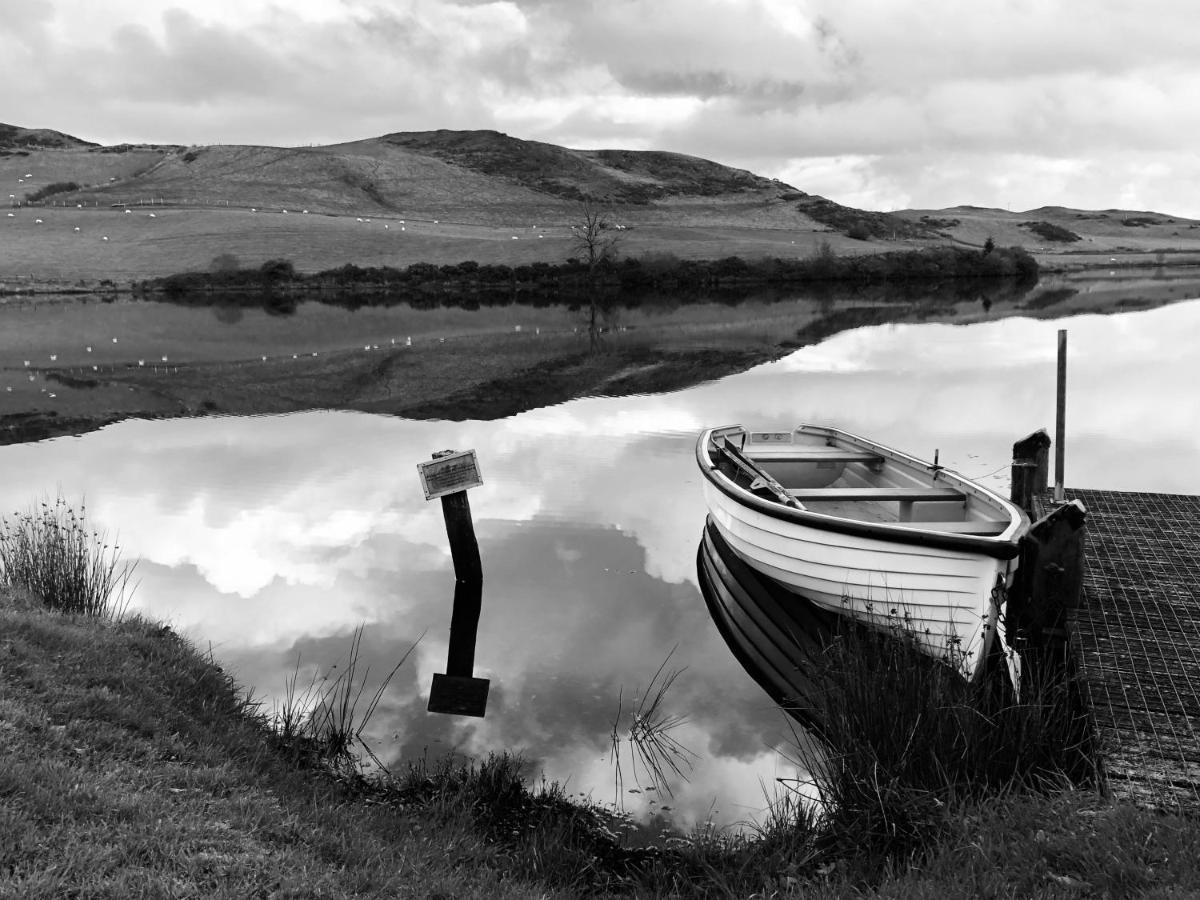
(1065, 262)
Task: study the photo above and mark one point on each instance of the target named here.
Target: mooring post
(1029, 470)
(1060, 419)
(1048, 585)
(447, 476)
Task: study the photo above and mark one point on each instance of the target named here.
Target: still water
(269, 539)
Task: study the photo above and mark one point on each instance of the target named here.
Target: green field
(446, 197)
(149, 242)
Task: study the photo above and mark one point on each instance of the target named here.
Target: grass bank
(132, 765)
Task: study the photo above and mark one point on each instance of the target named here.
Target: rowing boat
(865, 531)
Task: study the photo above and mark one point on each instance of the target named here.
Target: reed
(52, 552)
(326, 719)
(655, 754)
(904, 739)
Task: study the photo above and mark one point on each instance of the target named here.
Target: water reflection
(249, 326)
(275, 536)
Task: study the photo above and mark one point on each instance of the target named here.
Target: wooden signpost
(447, 477)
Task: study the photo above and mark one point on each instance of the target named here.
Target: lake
(269, 539)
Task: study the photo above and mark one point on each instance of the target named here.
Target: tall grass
(905, 738)
(326, 719)
(589, 850)
(52, 552)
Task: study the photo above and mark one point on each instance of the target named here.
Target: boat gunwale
(993, 546)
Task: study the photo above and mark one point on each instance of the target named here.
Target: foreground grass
(131, 765)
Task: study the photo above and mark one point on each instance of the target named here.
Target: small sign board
(449, 474)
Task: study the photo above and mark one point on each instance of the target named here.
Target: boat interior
(814, 471)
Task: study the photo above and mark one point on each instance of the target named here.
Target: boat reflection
(777, 636)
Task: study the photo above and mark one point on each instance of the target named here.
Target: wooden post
(1049, 580)
(1060, 419)
(458, 691)
(1029, 470)
(468, 584)
(1045, 594)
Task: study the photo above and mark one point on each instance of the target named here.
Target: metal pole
(1060, 421)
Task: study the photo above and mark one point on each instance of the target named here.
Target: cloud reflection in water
(275, 536)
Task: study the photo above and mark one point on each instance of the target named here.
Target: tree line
(582, 277)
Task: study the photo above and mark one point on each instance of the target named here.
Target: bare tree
(594, 239)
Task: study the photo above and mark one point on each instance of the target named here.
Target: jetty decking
(1137, 639)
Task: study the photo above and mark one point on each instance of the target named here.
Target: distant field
(154, 241)
(446, 197)
(26, 174)
(1101, 233)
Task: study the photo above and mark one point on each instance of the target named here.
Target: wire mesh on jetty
(1137, 635)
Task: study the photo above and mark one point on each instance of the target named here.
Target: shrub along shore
(625, 277)
(134, 765)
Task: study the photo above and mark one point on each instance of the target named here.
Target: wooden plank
(902, 494)
(833, 454)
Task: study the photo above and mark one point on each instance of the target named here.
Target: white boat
(866, 531)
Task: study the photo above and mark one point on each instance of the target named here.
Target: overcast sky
(881, 104)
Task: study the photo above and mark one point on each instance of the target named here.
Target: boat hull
(945, 598)
(944, 589)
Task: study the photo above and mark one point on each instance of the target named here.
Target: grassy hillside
(610, 176)
(152, 241)
(450, 196)
(14, 139)
(475, 177)
(410, 197)
(1110, 232)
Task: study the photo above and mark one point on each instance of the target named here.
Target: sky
(879, 104)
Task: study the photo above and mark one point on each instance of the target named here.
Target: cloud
(1013, 92)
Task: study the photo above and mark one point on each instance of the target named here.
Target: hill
(1111, 233)
(478, 177)
(450, 196)
(15, 138)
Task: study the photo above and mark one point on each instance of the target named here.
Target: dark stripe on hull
(774, 634)
(963, 543)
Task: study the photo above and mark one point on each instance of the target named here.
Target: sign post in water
(447, 477)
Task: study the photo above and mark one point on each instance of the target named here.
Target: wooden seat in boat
(817, 454)
(872, 493)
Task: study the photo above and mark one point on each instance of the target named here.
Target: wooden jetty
(1120, 603)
